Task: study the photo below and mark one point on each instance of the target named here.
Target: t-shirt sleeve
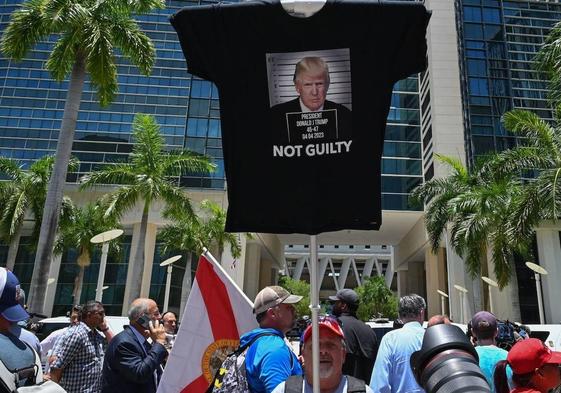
(411, 44)
(198, 30)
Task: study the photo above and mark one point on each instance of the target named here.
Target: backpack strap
(355, 385)
(294, 384)
(237, 352)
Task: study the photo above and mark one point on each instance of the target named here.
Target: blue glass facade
(187, 108)
(498, 40)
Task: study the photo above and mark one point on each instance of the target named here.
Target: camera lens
(447, 362)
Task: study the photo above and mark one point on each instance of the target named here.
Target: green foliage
(150, 173)
(88, 32)
(376, 300)
(301, 288)
(190, 233)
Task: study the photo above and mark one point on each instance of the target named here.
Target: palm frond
(134, 43)
(455, 163)
(182, 162)
(100, 61)
(120, 201)
(539, 133)
(123, 173)
(27, 27)
(62, 58)
(11, 168)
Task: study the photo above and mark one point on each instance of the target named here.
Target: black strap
(294, 385)
(237, 352)
(355, 385)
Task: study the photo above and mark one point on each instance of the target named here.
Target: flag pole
(314, 307)
(206, 253)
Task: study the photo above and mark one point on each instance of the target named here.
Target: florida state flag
(216, 314)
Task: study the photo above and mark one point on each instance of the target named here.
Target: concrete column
(549, 251)
(456, 276)
(402, 288)
(51, 289)
(416, 278)
(252, 270)
(299, 268)
(345, 266)
(134, 241)
(149, 248)
(436, 280)
(506, 303)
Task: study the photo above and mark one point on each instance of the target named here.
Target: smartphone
(144, 321)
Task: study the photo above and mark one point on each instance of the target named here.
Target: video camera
(448, 362)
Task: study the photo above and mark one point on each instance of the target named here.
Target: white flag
(216, 315)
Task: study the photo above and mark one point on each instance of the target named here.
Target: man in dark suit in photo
(311, 81)
(132, 364)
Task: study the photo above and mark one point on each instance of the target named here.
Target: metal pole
(540, 300)
(442, 305)
(168, 285)
(314, 307)
(490, 299)
(101, 276)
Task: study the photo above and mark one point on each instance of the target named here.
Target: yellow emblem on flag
(215, 354)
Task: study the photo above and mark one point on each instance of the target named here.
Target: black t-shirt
(362, 347)
(303, 105)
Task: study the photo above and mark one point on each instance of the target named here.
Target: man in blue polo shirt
(269, 361)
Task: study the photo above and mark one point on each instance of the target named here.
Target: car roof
(116, 323)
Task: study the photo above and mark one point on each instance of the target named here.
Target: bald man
(131, 363)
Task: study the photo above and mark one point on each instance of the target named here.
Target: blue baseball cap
(10, 295)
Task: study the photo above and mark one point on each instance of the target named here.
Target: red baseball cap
(528, 355)
(328, 324)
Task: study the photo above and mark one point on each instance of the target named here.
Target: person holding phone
(134, 358)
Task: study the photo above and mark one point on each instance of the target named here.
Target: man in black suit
(291, 119)
(131, 363)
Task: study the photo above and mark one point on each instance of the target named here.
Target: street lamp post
(169, 262)
(538, 270)
(462, 292)
(443, 296)
(491, 283)
(105, 238)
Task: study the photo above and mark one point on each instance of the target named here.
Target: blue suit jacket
(127, 368)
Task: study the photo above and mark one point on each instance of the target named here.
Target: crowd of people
(88, 357)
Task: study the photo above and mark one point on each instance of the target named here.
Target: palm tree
(88, 33)
(477, 207)
(540, 152)
(76, 230)
(150, 175)
(214, 222)
(23, 194)
(548, 60)
(189, 234)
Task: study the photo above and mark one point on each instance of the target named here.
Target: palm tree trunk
(51, 211)
(13, 250)
(187, 282)
(78, 285)
(138, 261)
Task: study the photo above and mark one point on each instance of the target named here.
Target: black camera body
(447, 362)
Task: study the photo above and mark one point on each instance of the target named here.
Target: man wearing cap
(331, 356)
(392, 372)
(269, 361)
(484, 329)
(361, 340)
(15, 354)
(535, 368)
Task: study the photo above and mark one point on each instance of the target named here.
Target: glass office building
(498, 40)
(187, 109)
